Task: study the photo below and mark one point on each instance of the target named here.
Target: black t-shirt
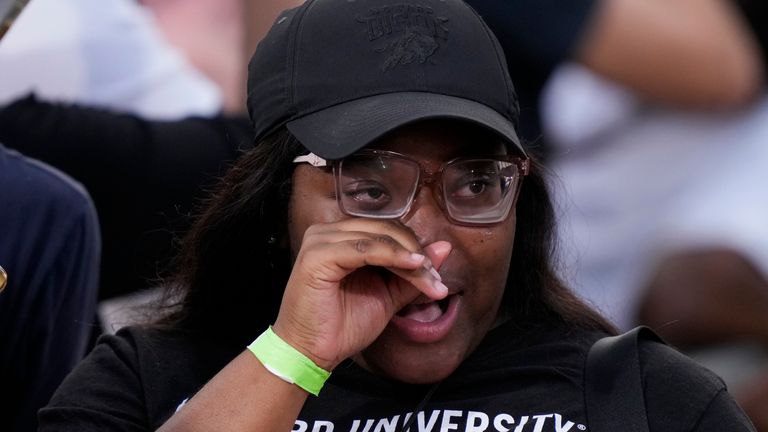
(517, 380)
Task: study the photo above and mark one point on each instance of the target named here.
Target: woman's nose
(426, 217)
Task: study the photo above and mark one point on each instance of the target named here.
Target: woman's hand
(348, 280)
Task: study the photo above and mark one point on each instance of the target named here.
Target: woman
(392, 229)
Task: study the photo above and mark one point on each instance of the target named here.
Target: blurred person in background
(49, 247)
(628, 41)
(218, 37)
(663, 210)
(144, 171)
(120, 108)
(211, 34)
(144, 176)
(103, 53)
(49, 270)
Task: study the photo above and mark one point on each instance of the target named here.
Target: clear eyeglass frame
(429, 178)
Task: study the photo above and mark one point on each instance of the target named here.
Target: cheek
(497, 246)
(310, 206)
(492, 246)
(490, 252)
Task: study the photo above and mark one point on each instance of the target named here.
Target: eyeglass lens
(475, 191)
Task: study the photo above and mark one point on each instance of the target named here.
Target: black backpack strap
(613, 384)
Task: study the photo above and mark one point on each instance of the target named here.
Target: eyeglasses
(478, 190)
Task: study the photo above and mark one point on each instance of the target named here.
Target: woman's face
(475, 270)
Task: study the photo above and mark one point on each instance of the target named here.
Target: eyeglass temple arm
(312, 159)
(317, 161)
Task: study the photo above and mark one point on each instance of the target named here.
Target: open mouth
(426, 321)
(426, 312)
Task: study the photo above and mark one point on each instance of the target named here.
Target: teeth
(425, 312)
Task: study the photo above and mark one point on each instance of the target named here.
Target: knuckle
(395, 230)
(362, 245)
(387, 240)
(310, 231)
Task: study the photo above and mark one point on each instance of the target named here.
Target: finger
(392, 228)
(432, 287)
(363, 239)
(330, 263)
(392, 256)
(393, 234)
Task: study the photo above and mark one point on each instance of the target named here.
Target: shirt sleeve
(87, 401)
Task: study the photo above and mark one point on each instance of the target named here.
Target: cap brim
(340, 130)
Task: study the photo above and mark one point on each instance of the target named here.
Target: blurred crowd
(116, 116)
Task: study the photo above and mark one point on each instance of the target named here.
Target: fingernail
(417, 258)
(427, 264)
(441, 287)
(435, 274)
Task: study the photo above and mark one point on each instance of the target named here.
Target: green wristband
(288, 364)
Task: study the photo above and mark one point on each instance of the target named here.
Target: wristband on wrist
(288, 364)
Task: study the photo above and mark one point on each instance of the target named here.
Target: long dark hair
(232, 269)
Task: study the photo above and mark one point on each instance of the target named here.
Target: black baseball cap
(341, 73)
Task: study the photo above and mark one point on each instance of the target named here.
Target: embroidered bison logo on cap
(410, 33)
